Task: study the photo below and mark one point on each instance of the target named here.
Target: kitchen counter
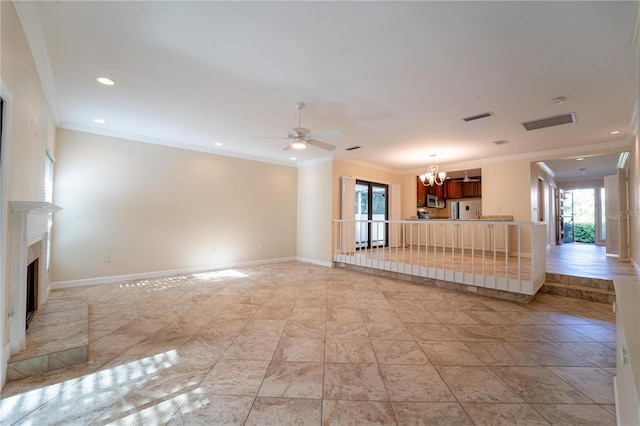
(497, 218)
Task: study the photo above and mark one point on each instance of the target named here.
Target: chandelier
(432, 176)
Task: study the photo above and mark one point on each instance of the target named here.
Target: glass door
(371, 212)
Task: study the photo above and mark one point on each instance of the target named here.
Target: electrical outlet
(106, 258)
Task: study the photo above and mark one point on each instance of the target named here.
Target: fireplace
(28, 279)
(32, 291)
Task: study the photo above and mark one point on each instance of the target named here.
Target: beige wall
(26, 137)
(504, 189)
(155, 208)
(315, 194)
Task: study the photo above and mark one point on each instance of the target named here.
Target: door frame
(371, 185)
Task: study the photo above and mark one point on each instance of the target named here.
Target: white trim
(165, 273)
(546, 169)
(615, 397)
(28, 16)
(613, 146)
(314, 261)
(622, 160)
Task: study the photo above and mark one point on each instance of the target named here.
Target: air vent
(353, 148)
(478, 117)
(501, 142)
(556, 120)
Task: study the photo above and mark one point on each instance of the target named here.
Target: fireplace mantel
(28, 226)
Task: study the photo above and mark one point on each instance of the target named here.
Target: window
(48, 197)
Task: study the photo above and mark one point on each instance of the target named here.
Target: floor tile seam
(582, 357)
(536, 407)
(447, 385)
(573, 387)
(555, 375)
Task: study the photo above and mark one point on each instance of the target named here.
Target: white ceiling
(396, 77)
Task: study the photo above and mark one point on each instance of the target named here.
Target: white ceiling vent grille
(556, 120)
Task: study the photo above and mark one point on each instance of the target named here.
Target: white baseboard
(6, 354)
(165, 273)
(314, 261)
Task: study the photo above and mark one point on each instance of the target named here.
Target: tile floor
(293, 343)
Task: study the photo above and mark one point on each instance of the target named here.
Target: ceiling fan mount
(301, 137)
(467, 178)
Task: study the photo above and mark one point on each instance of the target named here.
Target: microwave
(432, 201)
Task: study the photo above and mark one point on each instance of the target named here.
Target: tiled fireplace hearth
(58, 333)
(28, 229)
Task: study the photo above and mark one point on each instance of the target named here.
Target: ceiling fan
(300, 137)
(467, 178)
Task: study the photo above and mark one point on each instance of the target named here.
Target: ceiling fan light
(298, 145)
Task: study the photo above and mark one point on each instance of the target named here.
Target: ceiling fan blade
(269, 137)
(321, 144)
(333, 133)
(290, 130)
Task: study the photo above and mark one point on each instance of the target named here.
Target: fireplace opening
(32, 290)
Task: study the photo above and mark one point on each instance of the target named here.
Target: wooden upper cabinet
(421, 193)
(458, 189)
(453, 189)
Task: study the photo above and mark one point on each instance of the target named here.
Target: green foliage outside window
(584, 233)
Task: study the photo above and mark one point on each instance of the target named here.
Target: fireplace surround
(28, 230)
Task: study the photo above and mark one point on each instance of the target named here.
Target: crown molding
(172, 144)
(538, 155)
(28, 17)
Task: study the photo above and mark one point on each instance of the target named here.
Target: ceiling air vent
(353, 148)
(556, 120)
(478, 117)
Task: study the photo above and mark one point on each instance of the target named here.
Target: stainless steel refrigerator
(465, 210)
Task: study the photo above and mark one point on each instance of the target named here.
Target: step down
(590, 291)
(57, 337)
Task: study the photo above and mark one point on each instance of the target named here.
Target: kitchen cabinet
(423, 191)
(459, 189)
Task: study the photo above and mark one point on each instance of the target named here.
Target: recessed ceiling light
(579, 158)
(106, 81)
(218, 144)
(99, 120)
(558, 100)
(293, 158)
(615, 132)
